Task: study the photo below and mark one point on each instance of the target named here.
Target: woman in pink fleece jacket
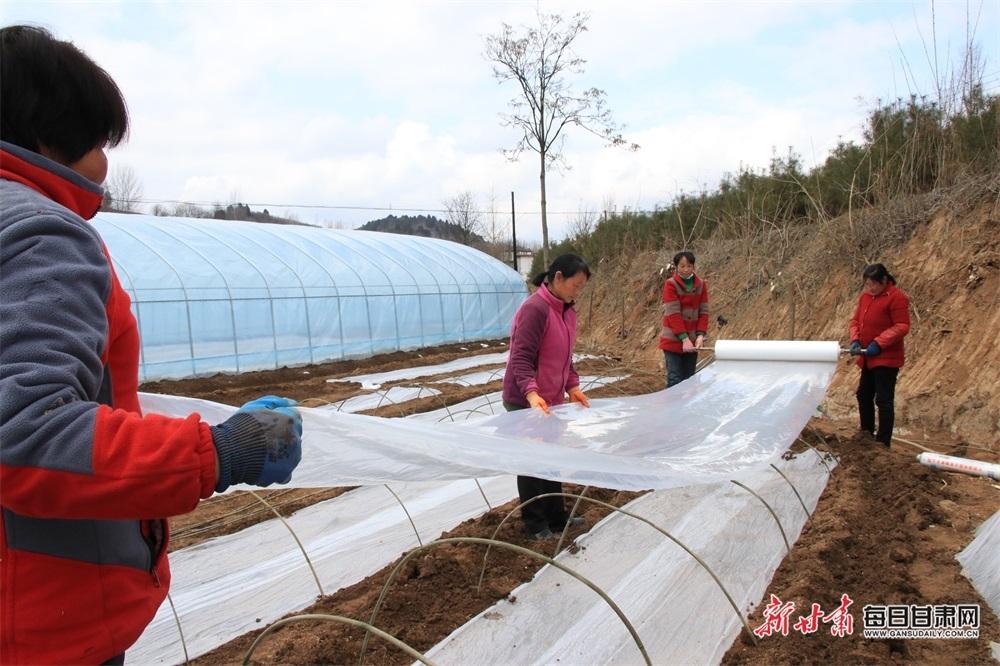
(540, 373)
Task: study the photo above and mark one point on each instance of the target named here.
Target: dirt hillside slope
(944, 250)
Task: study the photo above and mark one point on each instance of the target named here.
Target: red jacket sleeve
(703, 310)
(855, 326)
(64, 454)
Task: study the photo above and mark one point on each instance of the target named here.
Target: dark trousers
(877, 388)
(549, 512)
(679, 366)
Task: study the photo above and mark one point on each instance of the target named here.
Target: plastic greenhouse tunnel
(225, 296)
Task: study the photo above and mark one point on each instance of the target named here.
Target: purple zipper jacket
(541, 350)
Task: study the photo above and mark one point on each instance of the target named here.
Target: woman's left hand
(577, 395)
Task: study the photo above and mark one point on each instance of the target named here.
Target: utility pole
(513, 233)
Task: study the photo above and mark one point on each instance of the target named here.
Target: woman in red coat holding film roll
(879, 324)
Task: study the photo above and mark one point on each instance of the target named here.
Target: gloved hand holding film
(261, 444)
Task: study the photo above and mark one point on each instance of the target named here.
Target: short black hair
(568, 264)
(684, 254)
(54, 95)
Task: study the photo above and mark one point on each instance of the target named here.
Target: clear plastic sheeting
(225, 296)
(981, 562)
(731, 417)
(491, 404)
(375, 380)
(229, 585)
(678, 610)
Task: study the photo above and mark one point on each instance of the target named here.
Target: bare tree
(496, 229)
(461, 211)
(540, 61)
(122, 190)
(583, 224)
(184, 209)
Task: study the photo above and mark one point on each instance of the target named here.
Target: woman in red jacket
(879, 324)
(685, 319)
(86, 479)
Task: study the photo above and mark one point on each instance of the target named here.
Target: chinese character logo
(777, 619)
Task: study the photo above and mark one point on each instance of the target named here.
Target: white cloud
(392, 104)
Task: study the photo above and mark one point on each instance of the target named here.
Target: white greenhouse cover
(678, 610)
(232, 584)
(225, 296)
(981, 561)
(732, 417)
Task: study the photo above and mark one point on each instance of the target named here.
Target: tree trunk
(545, 219)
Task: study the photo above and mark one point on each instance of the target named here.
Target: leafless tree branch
(541, 61)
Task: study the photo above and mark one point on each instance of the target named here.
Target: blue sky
(391, 104)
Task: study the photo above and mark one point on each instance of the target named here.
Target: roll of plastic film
(964, 465)
(777, 350)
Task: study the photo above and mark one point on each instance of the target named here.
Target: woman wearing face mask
(685, 319)
(88, 480)
(540, 373)
(879, 324)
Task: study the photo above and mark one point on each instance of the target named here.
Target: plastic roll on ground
(777, 350)
(945, 463)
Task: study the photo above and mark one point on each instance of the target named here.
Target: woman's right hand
(687, 346)
(537, 402)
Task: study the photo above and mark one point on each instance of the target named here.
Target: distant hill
(237, 211)
(242, 212)
(422, 225)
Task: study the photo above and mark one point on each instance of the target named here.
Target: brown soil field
(886, 529)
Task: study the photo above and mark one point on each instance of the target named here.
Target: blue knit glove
(855, 348)
(261, 444)
(873, 349)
